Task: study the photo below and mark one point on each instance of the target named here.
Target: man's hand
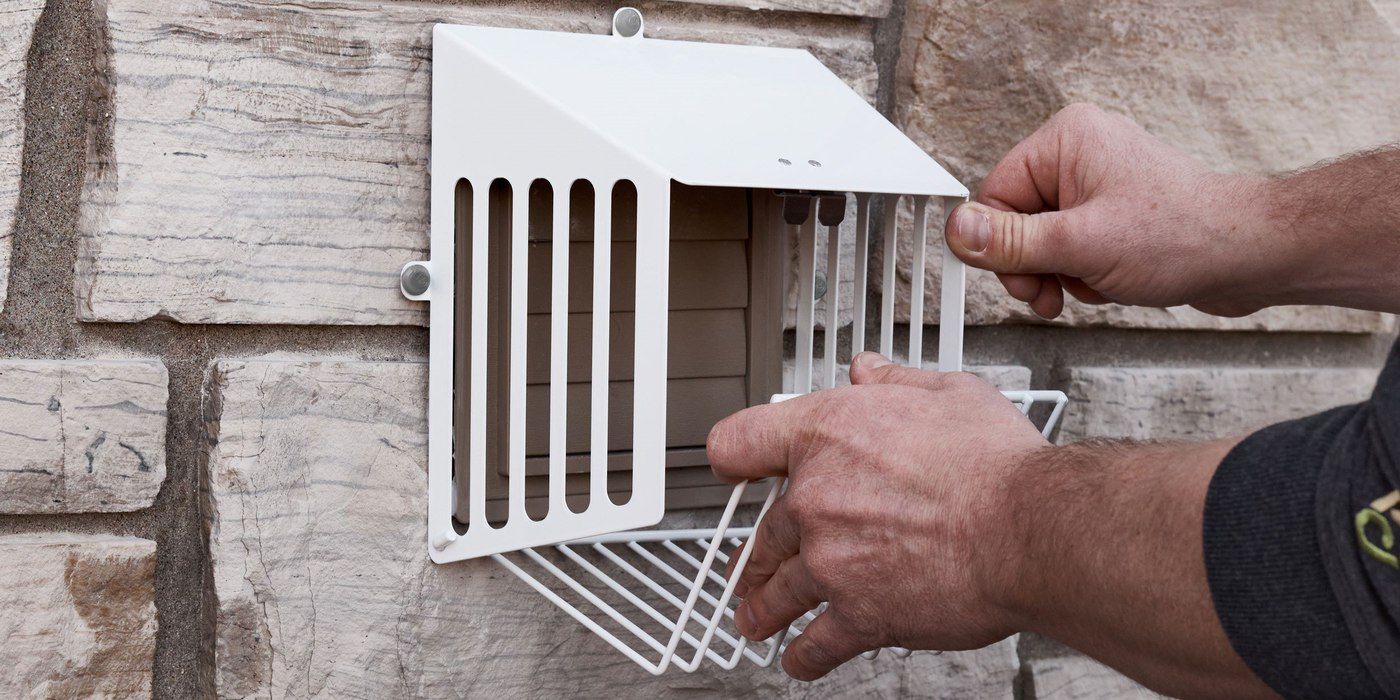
(895, 513)
(1094, 205)
(930, 514)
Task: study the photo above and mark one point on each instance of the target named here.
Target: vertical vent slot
(581, 235)
(831, 213)
(860, 287)
(498, 328)
(887, 289)
(602, 342)
(462, 203)
(799, 212)
(916, 282)
(622, 328)
(543, 275)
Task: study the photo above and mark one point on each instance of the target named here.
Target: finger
(1021, 287)
(1028, 177)
(821, 647)
(873, 368)
(1051, 300)
(776, 540)
(1012, 242)
(790, 593)
(756, 442)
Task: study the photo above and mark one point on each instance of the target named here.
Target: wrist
(1248, 262)
(1013, 580)
(1321, 236)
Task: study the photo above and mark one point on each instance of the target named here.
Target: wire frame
(661, 597)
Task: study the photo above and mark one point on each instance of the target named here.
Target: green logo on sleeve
(1374, 516)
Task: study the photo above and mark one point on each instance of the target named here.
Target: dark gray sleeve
(1299, 550)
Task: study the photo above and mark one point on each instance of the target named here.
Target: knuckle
(722, 436)
(1081, 114)
(817, 652)
(1053, 231)
(824, 566)
(809, 506)
(759, 606)
(862, 626)
(787, 588)
(963, 381)
(804, 505)
(1012, 232)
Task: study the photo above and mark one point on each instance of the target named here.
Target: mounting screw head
(627, 22)
(819, 288)
(415, 279)
(444, 539)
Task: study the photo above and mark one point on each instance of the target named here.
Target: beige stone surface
(856, 8)
(79, 615)
(1390, 9)
(297, 138)
(1245, 86)
(17, 19)
(79, 436)
(315, 504)
(1198, 403)
(1079, 678)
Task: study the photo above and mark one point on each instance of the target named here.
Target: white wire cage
(518, 112)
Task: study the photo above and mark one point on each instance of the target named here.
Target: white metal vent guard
(524, 106)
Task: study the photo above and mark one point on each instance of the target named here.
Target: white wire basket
(661, 597)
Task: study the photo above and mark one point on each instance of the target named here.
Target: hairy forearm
(1337, 226)
(1109, 561)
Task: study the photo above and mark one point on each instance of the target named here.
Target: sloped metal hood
(701, 114)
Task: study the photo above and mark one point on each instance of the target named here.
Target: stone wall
(212, 409)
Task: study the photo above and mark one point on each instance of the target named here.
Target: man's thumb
(1008, 242)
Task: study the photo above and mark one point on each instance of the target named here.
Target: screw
(415, 279)
(814, 163)
(819, 289)
(444, 539)
(785, 161)
(627, 22)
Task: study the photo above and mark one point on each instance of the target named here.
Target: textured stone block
(80, 615)
(856, 8)
(17, 19)
(1235, 83)
(81, 436)
(316, 501)
(1141, 403)
(1079, 677)
(1390, 9)
(296, 137)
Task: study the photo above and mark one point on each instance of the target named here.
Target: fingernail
(744, 620)
(871, 360)
(973, 228)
